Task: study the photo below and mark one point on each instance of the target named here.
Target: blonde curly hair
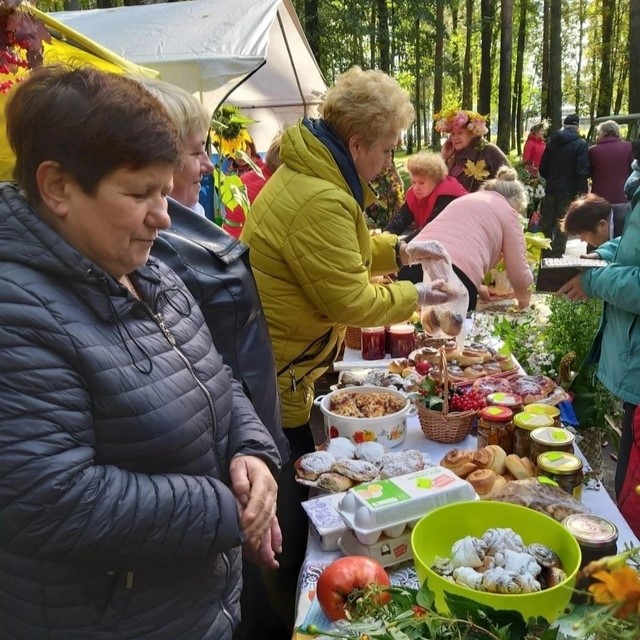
(429, 165)
(506, 183)
(368, 104)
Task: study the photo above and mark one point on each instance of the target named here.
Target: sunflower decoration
(229, 130)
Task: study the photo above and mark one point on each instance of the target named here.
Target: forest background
(518, 61)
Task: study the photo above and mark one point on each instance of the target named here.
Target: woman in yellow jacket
(311, 252)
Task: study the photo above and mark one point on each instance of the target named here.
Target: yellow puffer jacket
(312, 257)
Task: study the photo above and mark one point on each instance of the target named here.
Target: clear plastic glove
(436, 293)
(418, 250)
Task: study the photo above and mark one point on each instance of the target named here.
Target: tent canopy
(250, 53)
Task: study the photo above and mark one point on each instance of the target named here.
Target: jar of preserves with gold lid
(565, 469)
(495, 426)
(550, 439)
(511, 400)
(547, 410)
(596, 536)
(524, 423)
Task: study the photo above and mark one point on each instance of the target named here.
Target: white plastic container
(325, 519)
(387, 551)
(388, 506)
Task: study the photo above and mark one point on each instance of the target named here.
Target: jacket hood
(304, 153)
(565, 136)
(27, 240)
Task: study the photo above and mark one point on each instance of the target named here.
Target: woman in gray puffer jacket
(132, 466)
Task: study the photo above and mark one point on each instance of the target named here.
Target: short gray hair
(609, 129)
(506, 183)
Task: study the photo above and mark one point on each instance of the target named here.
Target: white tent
(250, 53)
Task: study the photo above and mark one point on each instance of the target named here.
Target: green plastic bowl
(435, 533)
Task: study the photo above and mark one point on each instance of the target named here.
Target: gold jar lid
(591, 530)
(552, 436)
(531, 421)
(545, 409)
(558, 462)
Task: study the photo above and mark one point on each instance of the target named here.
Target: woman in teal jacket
(616, 347)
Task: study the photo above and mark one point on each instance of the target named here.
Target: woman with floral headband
(470, 158)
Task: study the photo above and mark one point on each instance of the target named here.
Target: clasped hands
(256, 492)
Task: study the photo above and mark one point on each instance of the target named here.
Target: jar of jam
(511, 400)
(548, 410)
(495, 426)
(524, 423)
(550, 439)
(564, 469)
(597, 538)
(401, 340)
(372, 343)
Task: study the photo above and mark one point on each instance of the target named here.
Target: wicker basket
(352, 338)
(442, 426)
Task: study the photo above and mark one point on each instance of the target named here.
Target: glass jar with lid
(373, 347)
(524, 423)
(511, 400)
(550, 439)
(565, 469)
(546, 409)
(495, 426)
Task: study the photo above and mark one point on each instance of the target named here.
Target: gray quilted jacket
(117, 424)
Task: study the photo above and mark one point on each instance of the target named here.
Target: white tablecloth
(597, 500)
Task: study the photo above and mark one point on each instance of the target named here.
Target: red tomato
(344, 576)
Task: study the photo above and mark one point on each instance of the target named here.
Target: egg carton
(390, 506)
(386, 551)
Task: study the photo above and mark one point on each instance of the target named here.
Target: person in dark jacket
(565, 167)
(215, 268)
(594, 220)
(132, 464)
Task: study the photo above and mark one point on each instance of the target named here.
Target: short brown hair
(584, 213)
(90, 122)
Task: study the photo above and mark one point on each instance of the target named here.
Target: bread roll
(498, 486)
(460, 462)
(398, 365)
(482, 480)
(520, 468)
(451, 323)
(500, 458)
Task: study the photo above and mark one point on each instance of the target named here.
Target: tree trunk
(438, 71)
(467, 72)
(581, 18)
(544, 91)
(72, 5)
(418, 49)
(456, 71)
(634, 54)
(516, 110)
(373, 32)
(605, 94)
(487, 9)
(383, 35)
(554, 100)
(504, 88)
(312, 28)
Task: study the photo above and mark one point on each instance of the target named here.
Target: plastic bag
(446, 319)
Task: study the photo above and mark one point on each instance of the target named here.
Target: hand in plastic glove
(418, 250)
(436, 293)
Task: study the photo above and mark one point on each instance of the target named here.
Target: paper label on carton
(381, 494)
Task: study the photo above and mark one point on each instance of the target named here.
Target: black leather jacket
(215, 268)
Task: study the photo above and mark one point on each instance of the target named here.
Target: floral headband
(453, 119)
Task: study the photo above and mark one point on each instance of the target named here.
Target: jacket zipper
(225, 611)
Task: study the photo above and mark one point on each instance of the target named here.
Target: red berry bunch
(469, 400)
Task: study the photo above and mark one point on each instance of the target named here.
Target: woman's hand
(256, 491)
(572, 289)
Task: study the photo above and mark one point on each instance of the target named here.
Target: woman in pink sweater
(481, 228)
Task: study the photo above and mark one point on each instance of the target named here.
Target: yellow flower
(620, 586)
(229, 147)
(476, 170)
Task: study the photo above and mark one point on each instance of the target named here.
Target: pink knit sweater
(477, 230)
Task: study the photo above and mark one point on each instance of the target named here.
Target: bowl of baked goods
(366, 414)
(502, 555)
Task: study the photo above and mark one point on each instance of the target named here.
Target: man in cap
(565, 167)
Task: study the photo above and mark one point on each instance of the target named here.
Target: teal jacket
(616, 347)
